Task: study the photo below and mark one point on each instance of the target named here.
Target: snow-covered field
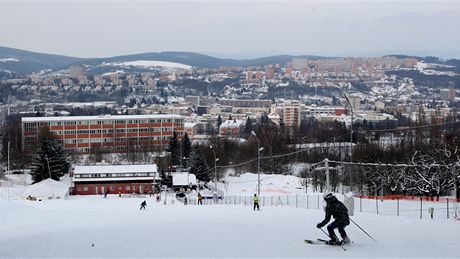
(152, 63)
(93, 226)
(116, 227)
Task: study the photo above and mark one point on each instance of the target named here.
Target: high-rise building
(121, 133)
(291, 113)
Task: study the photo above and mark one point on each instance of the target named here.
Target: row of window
(113, 175)
(110, 131)
(101, 122)
(111, 188)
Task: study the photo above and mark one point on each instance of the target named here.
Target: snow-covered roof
(183, 179)
(100, 117)
(47, 188)
(115, 169)
(190, 124)
(232, 124)
(104, 179)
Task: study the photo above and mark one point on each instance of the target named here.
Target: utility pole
(326, 168)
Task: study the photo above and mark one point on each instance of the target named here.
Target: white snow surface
(91, 226)
(183, 179)
(270, 185)
(153, 63)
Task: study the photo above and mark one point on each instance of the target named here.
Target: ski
(314, 242)
(339, 244)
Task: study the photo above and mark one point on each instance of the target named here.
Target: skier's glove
(319, 225)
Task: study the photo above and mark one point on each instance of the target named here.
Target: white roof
(100, 117)
(232, 124)
(115, 169)
(182, 179)
(47, 188)
(105, 179)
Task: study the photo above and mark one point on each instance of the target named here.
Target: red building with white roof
(114, 179)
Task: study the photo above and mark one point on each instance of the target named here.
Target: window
(85, 189)
(128, 188)
(111, 188)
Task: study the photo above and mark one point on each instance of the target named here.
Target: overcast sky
(232, 28)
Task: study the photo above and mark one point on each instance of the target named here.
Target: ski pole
(344, 249)
(363, 230)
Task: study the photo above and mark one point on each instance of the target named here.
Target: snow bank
(46, 189)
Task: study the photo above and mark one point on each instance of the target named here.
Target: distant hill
(26, 62)
(22, 62)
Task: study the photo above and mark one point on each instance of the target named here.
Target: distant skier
(185, 200)
(200, 199)
(143, 205)
(255, 200)
(338, 210)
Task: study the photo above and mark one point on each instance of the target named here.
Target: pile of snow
(46, 189)
(152, 63)
(8, 60)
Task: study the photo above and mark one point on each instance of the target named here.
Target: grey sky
(232, 28)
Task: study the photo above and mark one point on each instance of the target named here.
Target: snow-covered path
(116, 227)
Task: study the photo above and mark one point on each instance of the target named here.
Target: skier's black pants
(200, 202)
(256, 204)
(340, 227)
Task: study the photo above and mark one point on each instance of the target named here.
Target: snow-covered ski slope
(116, 227)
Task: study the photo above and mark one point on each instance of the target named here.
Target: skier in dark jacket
(338, 210)
(143, 204)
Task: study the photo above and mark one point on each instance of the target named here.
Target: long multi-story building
(117, 133)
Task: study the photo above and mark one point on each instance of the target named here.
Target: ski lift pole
(344, 249)
(363, 230)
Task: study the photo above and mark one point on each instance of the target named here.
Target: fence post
(307, 201)
(377, 204)
(360, 203)
(447, 207)
(263, 201)
(296, 201)
(421, 205)
(397, 202)
(287, 200)
(271, 201)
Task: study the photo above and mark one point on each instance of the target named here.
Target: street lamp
(259, 149)
(49, 171)
(351, 138)
(215, 167)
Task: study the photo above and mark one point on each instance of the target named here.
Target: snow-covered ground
(92, 226)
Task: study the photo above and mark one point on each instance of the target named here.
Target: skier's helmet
(327, 195)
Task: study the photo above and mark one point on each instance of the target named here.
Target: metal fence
(416, 207)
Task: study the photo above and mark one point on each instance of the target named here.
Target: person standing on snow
(143, 205)
(200, 199)
(338, 210)
(255, 200)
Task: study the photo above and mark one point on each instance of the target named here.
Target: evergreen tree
(186, 149)
(219, 122)
(248, 126)
(174, 149)
(166, 179)
(50, 160)
(199, 167)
